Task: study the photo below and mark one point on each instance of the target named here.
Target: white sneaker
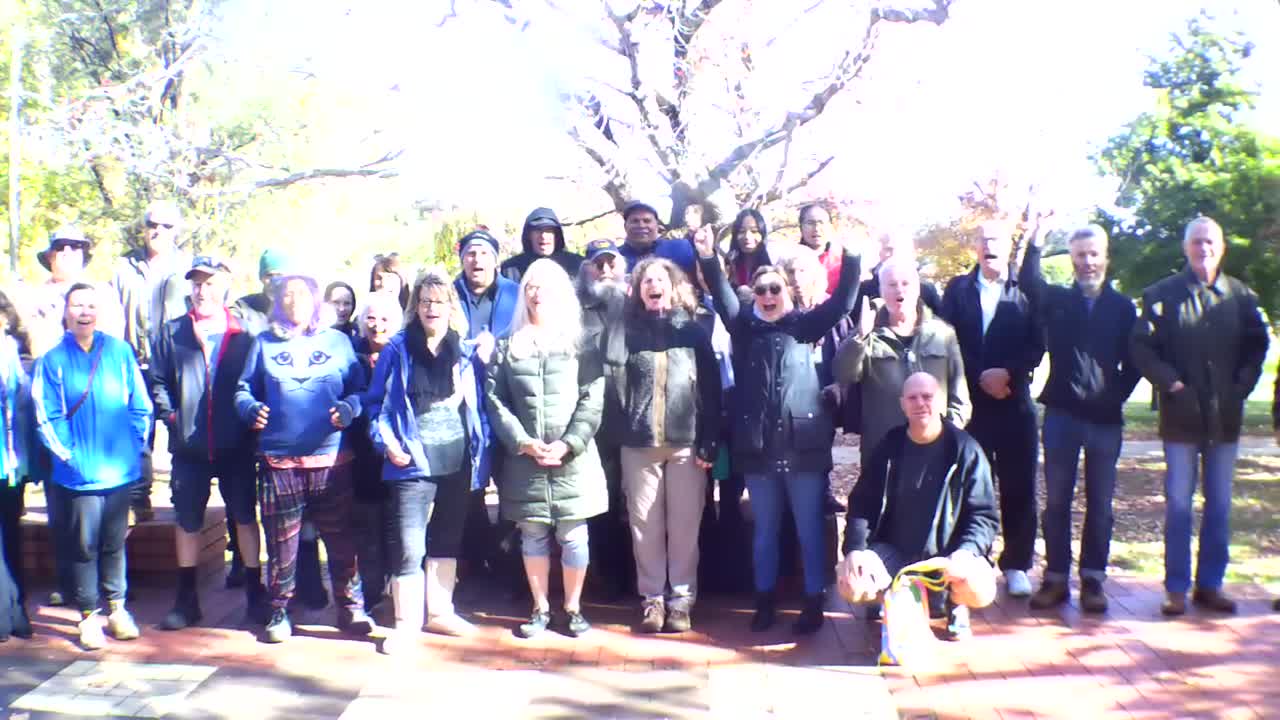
(1017, 583)
(91, 637)
(122, 626)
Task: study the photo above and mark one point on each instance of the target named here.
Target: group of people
(606, 396)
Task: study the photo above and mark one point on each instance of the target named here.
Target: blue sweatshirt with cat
(299, 377)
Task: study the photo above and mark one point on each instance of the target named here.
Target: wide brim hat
(66, 233)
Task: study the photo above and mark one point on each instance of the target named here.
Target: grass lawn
(1141, 421)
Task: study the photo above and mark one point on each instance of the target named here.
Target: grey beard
(597, 290)
(1092, 288)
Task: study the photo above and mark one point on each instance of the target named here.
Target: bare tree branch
(639, 93)
(776, 194)
(297, 177)
(593, 218)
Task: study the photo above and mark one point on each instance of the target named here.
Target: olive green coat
(545, 396)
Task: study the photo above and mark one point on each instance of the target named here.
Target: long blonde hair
(560, 330)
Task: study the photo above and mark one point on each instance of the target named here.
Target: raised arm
(811, 326)
(706, 444)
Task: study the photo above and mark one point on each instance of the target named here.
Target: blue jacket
(15, 399)
(387, 402)
(299, 378)
(100, 447)
(503, 311)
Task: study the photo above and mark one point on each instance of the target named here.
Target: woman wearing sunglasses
(781, 432)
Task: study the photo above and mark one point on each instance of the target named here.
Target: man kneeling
(927, 492)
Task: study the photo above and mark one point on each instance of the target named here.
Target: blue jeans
(805, 493)
(1064, 436)
(428, 516)
(1182, 470)
(93, 526)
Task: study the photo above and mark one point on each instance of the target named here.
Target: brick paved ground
(1131, 663)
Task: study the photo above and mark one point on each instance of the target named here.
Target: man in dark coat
(542, 237)
(1001, 345)
(1201, 343)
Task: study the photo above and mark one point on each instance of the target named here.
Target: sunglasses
(152, 225)
(770, 289)
(60, 245)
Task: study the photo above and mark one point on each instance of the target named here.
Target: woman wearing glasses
(781, 431)
(668, 383)
(428, 421)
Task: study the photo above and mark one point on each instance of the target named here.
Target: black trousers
(1009, 436)
(11, 504)
(612, 562)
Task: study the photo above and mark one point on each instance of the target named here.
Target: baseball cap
(206, 264)
(603, 246)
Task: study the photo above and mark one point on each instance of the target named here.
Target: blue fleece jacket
(299, 378)
(387, 402)
(100, 447)
(15, 398)
(501, 311)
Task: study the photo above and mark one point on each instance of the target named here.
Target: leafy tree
(1195, 155)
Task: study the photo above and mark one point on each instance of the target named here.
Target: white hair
(1203, 220)
(561, 330)
(897, 264)
(382, 303)
(1090, 232)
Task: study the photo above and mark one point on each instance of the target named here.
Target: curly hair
(683, 295)
(436, 279)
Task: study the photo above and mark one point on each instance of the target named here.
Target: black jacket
(965, 517)
(1013, 341)
(665, 375)
(779, 422)
(202, 424)
(1090, 371)
(1211, 338)
(513, 268)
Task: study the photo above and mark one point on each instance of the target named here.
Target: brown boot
(1092, 598)
(1052, 593)
(1174, 604)
(1213, 600)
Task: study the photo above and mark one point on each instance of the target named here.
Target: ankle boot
(442, 578)
(766, 612)
(811, 617)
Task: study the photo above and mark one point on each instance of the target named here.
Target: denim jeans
(93, 527)
(1182, 472)
(805, 493)
(1064, 436)
(428, 515)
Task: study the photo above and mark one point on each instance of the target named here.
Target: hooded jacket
(100, 446)
(392, 417)
(965, 516)
(199, 409)
(299, 377)
(513, 268)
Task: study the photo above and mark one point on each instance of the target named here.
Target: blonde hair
(560, 330)
(434, 279)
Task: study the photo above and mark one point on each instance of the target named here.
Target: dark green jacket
(548, 397)
(1213, 340)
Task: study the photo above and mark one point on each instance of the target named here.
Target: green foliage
(1193, 156)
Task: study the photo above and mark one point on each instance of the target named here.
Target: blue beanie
(478, 236)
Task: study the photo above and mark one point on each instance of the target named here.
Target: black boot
(811, 617)
(766, 612)
(186, 609)
(310, 587)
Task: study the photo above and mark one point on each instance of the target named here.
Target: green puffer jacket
(1209, 338)
(547, 397)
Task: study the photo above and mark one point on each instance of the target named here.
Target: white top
(989, 293)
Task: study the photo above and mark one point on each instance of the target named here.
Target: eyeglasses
(152, 225)
(429, 302)
(770, 289)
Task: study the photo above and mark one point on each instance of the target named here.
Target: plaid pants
(324, 496)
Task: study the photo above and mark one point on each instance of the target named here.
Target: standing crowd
(621, 402)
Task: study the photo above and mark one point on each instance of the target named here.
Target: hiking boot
(185, 613)
(766, 612)
(1174, 604)
(538, 621)
(279, 628)
(811, 616)
(1092, 598)
(577, 624)
(1214, 600)
(653, 614)
(1051, 594)
(354, 621)
(121, 626)
(90, 629)
(678, 619)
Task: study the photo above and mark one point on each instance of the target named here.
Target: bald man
(904, 507)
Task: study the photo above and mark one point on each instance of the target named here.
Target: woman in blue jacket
(429, 425)
(94, 417)
(299, 390)
(15, 396)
